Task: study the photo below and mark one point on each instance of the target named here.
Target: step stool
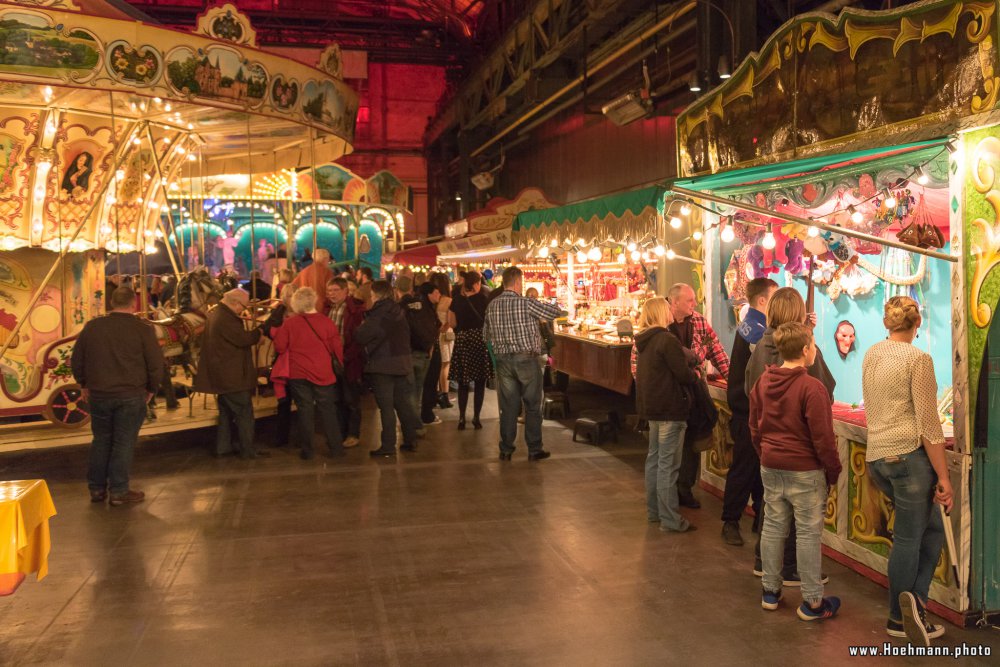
(556, 404)
(595, 430)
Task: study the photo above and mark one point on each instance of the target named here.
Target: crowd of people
(339, 335)
(785, 460)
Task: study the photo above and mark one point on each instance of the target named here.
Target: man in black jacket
(421, 317)
(743, 479)
(385, 336)
(119, 364)
(226, 368)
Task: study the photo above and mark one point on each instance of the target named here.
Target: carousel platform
(200, 412)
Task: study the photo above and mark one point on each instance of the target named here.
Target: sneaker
(793, 580)
(351, 441)
(770, 600)
(896, 629)
(731, 533)
(915, 625)
(828, 608)
(129, 497)
(98, 496)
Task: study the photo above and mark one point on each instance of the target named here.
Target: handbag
(338, 367)
(700, 434)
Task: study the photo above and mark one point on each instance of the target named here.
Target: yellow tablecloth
(25, 510)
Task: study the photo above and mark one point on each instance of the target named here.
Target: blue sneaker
(828, 608)
(770, 600)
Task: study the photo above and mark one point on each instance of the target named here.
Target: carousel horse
(178, 333)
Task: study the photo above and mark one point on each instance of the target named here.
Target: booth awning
(612, 217)
(827, 167)
(421, 255)
(478, 247)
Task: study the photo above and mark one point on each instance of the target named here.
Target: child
(791, 425)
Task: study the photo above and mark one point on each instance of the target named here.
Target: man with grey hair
(316, 276)
(696, 334)
(226, 368)
(118, 362)
(511, 325)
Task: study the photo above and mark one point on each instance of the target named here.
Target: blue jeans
(312, 398)
(662, 462)
(235, 409)
(394, 396)
(918, 531)
(801, 493)
(519, 381)
(115, 423)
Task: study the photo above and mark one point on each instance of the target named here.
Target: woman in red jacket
(310, 341)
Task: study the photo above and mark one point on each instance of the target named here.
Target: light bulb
(697, 235)
(543, 252)
(671, 254)
(659, 251)
(890, 200)
(922, 177)
(632, 246)
(594, 254)
(581, 257)
(120, 174)
(621, 258)
(553, 243)
(813, 232)
(675, 222)
(635, 255)
(769, 241)
(581, 242)
(137, 141)
(856, 216)
(167, 107)
(685, 209)
(727, 235)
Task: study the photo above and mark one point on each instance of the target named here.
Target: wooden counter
(595, 360)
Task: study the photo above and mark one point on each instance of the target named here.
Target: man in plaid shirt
(512, 328)
(696, 334)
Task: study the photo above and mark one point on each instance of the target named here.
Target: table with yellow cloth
(25, 510)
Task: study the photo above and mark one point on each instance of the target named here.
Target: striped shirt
(900, 393)
(512, 323)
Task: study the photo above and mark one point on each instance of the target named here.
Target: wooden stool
(594, 429)
(556, 404)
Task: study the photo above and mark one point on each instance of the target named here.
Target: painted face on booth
(845, 336)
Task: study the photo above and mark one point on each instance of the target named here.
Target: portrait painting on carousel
(79, 172)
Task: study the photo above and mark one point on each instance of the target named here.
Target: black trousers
(430, 389)
(743, 480)
(687, 475)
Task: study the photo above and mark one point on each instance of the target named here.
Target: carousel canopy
(101, 115)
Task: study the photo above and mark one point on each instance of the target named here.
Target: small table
(25, 510)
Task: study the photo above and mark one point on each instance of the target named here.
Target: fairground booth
(855, 159)
(600, 259)
(101, 116)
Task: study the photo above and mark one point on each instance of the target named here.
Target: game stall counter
(814, 181)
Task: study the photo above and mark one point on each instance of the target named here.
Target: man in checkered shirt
(512, 328)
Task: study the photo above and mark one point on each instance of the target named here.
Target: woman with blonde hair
(662, 371)
(906, 461)
(786, 305)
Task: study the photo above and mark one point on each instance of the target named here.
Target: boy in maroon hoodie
(791, 425)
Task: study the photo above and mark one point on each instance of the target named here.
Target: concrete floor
(444, 557)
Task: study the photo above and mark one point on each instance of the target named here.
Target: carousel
(102, 119)
(267, 222)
